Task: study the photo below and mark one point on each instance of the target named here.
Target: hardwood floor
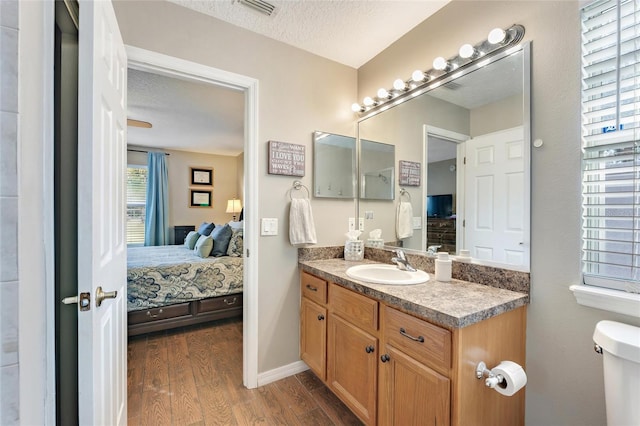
(193, 376)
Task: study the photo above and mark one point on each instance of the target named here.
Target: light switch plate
(417, 222)
(352, 224)
(269, 226)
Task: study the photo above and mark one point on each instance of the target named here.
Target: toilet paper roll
(514, 377)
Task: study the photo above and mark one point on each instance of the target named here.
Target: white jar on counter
(443, 267)
(354, 250)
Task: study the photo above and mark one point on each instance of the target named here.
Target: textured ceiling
(185, 115)
(347, 31)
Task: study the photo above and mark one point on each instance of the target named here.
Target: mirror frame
(525, 48)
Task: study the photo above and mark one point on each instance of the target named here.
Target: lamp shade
(234, 206)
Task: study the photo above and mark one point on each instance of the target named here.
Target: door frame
(460, 139)
(158, 63)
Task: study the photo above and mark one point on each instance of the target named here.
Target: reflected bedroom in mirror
(471, 136)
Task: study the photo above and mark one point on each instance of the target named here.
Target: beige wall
(503, 114)
(227, 184)
(298, 93)
(565, 384)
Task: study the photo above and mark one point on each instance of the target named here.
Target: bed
(170, 286)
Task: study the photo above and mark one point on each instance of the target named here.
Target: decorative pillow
(204, 245)
(221, 236)
(206, 228)
(191, 239)
(235, 244)
(236, 225)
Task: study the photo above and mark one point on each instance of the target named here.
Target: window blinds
(136, 202)
(611, 146)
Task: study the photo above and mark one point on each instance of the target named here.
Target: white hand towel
(404, 220)
(302, 230)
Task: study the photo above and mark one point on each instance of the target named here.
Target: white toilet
(620, 347)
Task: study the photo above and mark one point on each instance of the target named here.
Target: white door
(496, 198)
(102, 246)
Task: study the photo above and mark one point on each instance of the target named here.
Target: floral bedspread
(166, 275)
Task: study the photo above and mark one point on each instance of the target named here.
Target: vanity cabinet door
(313, 337)
(411, 393)
(352, 363)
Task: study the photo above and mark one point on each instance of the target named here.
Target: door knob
(369, 349)
(101, 295)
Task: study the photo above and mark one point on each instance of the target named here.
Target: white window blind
(611, 146)
(136, 203)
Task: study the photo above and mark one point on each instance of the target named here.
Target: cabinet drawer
(356, 308)
(423, 341)
(155, 314)
(222, 302)
(314, 288)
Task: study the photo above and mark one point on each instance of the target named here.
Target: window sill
(609, 300)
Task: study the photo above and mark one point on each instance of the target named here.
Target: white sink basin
(386, 274)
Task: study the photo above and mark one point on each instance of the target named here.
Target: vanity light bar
(420, 81)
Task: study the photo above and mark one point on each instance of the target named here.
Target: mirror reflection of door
(441, 194)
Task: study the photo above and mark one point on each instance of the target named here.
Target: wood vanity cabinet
(392, 368)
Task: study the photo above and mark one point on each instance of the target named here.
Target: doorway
(157, 63)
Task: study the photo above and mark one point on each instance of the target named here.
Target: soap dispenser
(443, 267)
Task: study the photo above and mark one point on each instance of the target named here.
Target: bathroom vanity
(402, 355)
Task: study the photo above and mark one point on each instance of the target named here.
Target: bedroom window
(136, 201)
(611, 144)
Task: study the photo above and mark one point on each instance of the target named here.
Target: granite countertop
(453, 304)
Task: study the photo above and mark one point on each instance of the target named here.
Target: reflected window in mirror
(334, 165)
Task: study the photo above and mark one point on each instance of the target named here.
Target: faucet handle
(400, 254)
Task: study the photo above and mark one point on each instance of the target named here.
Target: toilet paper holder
(492, 379)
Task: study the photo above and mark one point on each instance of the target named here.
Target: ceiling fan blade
(138, 123)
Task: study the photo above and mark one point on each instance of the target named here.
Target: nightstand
(180, 233)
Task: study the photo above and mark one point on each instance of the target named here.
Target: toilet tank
(620, 345)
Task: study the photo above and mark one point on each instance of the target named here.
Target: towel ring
(405, 192)
(297, 185)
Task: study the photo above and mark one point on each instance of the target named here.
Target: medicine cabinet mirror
(481, 204)
(334, 165)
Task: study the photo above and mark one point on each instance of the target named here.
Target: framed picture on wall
(199, 198)
(201, 176)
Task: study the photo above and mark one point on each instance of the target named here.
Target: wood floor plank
(156, 367)
(250, 413)
(277, 412)
(315, 418)
(185, 403)
(178, 353)
(216, 408)
(309, 380)
(157, 407)
(295, 396)
(334, 408)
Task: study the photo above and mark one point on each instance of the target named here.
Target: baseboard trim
(281, 372)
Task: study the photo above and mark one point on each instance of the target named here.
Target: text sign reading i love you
(286, 159)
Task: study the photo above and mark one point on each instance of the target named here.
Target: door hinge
(247, 252)
(464, 160)
(464, 223)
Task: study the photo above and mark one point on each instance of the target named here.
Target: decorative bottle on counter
(354, 250)
(443, 267)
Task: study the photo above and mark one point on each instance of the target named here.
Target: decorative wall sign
(199, 198)
(201, 176)
(286, 159)
(410, 173)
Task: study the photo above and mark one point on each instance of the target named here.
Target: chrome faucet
(400, 259)
(433, 249)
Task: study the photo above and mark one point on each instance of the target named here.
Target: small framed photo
(201, 176)
(199, 198)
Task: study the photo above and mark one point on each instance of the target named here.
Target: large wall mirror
(471, 136)
(334, 165)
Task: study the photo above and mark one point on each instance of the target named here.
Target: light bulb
(382, 93)
(367, 101)
(466, 51)
(399, 84)
(356, 107)
(497, 35)
(417, 76)
(440, 63)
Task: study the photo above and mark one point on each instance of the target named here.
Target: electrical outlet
(417, 222)
(361, 224)
(352, 224)
(368, 214)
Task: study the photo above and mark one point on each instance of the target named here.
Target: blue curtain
(156, 225)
